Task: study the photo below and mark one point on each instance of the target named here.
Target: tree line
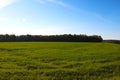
(51, 38)
(113, 41)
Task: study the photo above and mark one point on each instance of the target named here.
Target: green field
(59, 61)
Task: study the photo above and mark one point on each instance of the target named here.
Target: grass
(59, 61)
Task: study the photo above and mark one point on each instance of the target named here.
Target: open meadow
(59, 61)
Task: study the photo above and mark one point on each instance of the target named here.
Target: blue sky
(46, 17)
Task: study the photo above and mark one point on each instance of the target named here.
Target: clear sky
(46, 17)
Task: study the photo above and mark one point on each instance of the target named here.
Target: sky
(51, 17)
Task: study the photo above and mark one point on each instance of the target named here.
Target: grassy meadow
(59, 61)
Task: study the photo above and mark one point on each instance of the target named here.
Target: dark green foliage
(113, 41)
(52, 38)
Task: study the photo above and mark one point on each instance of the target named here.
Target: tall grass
(59, 61)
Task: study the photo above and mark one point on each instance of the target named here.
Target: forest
(50, 38)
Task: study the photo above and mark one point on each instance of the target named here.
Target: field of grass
(59, 61)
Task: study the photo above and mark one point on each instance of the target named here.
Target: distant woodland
(50, 38)
(113, 41)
